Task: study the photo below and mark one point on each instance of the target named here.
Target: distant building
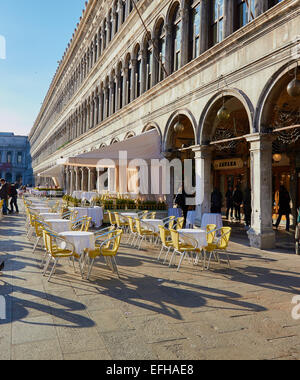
(15, 159)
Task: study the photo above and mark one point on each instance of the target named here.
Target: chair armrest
(188, 239)
(108, 240)
(148, 225)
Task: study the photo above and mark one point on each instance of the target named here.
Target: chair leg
(167, 255)
(90, 269)
(116, 266)
(36, 244)
(172, 257)
(53, 269)
(181, 260)
(47, 266)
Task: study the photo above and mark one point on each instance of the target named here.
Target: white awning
(146, 146)
(54, 172)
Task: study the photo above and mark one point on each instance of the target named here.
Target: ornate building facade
(15, 159)
(220, 68)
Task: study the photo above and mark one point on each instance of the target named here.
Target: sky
(33, 37)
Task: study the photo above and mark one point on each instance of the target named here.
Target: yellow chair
(120, 223)
(133, 231)
(221, 245)
(88, 222)
(39, 227)
(143, 233)
(166, 245)
(111, 219)
(182, 248)
(109, 250)
(179, 223)
(55, 252)
(210, 237)
(153, 215)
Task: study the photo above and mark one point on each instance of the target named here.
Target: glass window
(217, 21)
(9, 157)
(246, 12)
(177, 39)
(195, 31)
(19, 160)
(149, 67)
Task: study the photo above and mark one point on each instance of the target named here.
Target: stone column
(144, 78)
(169, 55)
(261, 6)
(112, 97)
(71, 181)
(84, 179)
(203, 160)
(133, 79)
(185, 43)
(125, 86)
(261, 234)
(155, 61)
(229, 17)
(77, 179)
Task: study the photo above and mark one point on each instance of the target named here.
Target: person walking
(216, 201)
(4, 195)
(229, 203)
(247, 207)
(237, 202)
(284, 207)
(180, 201)
(13, 193)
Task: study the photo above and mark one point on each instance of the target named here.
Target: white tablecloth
(212, 219)
(154, 223)
(85, 195)
(190, 219)
(50, 216)
(81, 240)
(177, 212)
(59, 225)
(198, 234)
(96, 213)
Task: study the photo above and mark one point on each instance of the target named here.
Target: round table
(96, 213)
(154, 223)
(50, 215)
(59, 225)
(197, 234)
(132, 214)
(81, 240)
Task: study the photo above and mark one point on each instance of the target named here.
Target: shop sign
(232, 163)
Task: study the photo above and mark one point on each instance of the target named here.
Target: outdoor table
(59, 225)
(81, 240)
(198, 234)
(50, 215)
(177, 212)
(96, 213)
(212, 219)
(133, 215)
(154, 223)
(190, 219)
(88, 195)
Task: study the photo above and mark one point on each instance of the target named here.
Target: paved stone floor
(153, 312)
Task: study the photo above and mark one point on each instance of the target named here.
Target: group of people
(234, 201)
(8, 192)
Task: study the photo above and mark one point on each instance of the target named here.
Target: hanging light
(277, 157)
(293, 87)
(223, 113)
(178, 127)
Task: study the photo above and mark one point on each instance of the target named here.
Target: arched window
(96, 48)
(123, 11)
(100, 42)
(9, 158)
(138, 73)
(245, 12)
(120, 87)
(110, 26)
(104, 36)
(217, 27)
(176, 24)
(195, 28)
(161, 52)
(117, 16)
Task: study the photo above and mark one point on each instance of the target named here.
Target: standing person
(284, 207)
(216, 201)
(4, 195)
(229, 202)
(14, 196)
(180, 201)
(237, 202)
(247, 207)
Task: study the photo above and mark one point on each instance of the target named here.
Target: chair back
(179, 224)
(131, 225)
(171, 222)
(118, 219)
(175, 239)
(112, 244)
(73, 216)
(111, 220)
(223, 242)
(163, 234)
(211, 233)
(145, 215)
(153, 215)
(138, 225)
(88, 222)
